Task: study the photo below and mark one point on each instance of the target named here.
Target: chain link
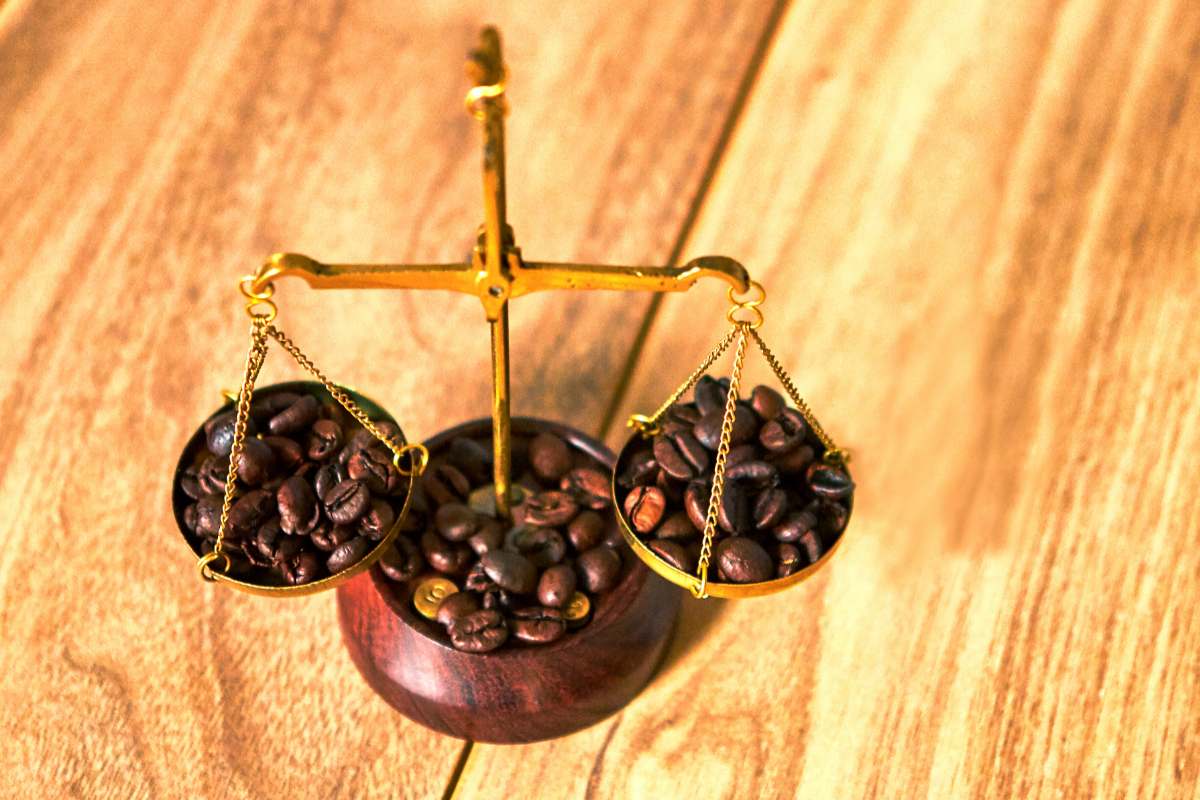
(718, 485)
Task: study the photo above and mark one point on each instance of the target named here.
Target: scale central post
(496, 272)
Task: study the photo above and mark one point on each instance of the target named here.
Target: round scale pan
(692, 582)
(197, 444)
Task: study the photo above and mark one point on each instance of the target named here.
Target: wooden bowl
(517, 693)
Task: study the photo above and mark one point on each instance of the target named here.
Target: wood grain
(153, 152)
(978, 226)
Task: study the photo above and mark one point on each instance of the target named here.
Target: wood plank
(151, 155)
(978, 228)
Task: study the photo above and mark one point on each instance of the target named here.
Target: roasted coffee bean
(218, 433)
(736, 514)
(679, 418)
(449, 558)
(644, 506)
(208, 515)
(378, 520)
(266, 539)
(598, 568)
(769, 508)
(501, 599)
(538, 624)
(266, 406)
(189, 517)
(510, 571)
(677, 526)
(249, 511)
(588, 486)
(710, 394)
(550, 509)
(586, 531)
(212, 475)
(672, 488)
(472, 459)
(373, 466)
(708, 429)
(456, 522)
(327, 476)
(544, 547)
(324, 440)
(692, 451)
(674, 554)
(788, 560)
(455, 607)
(754, 475)
(741, 454)
(556, 586)
(489, 536)
(810, 543)
(288, 453)
(296, 417)
(671, 460)
(828, 481)
(478, 632)
(191, 484)
(345, 502)
(357, 440)
(832, 515)
(549, 456)
(477, 580)
(445, 484)
(402, 561)
(695, 502)
(641, 471)
(794, 461)
(784, 432)
(742, 560)
(795, 525)
(348, 554)
(302, 568)
(298, 509)
(767, 402)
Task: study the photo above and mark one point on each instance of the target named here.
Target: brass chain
(833, 453)
(648, 425)
(718, 486)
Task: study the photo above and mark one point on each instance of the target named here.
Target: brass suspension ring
(202, 564)
(745, 310)
(419, 457)
(258, 296)
(488, 91)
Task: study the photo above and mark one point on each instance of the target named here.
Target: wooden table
(979, 226)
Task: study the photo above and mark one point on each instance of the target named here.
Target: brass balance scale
(497, 273)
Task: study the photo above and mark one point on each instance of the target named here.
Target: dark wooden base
(517, 694)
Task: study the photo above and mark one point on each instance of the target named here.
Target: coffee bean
(288, 453)
(449, 558)
(767, 402)
(642, 470)
(671, 460)
(348, 554)
(677, 526)
(510, 571)
(674, 554)
(326, 476)
(543, 547)
(736, 514)
(556, 586)
(785, 432)
(477, 580)
(446, 484)
(710, 394)
(769, 508)
(741, 454)
(296, 417)
(472, 459)
(538, 624)
(455, 607)
(754, 475)
(679, 418)
(708, 429)
(208, 515)
(550, 509)
(249, 511)
(345, 502)
(586, 531)
(489, 536)
(794, 461)
(298, 509)
(302, 568)
(692, 451)
(402, 561)
(695, 502)
(828, 481)
(588, 486)
(378, 520)
(266, 539)
(672, 488)
(325, 439)
(644, 506)
(549, 456)
(832, 515)
(373, 466)
(191, 484)
(218, 433)
(788, 560)
(479, 632)
(810, 543)
(743, 560)
(189, 517)
(212, 474)
(456, 522)
(268, 405)
(795, 525)
(598, 568)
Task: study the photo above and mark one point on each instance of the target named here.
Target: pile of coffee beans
(315, 490)
(782, 507)
(488, 583)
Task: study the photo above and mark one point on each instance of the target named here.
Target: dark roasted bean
(742, 560)
(788, 560)
(671, 460)
(456, 606)
(644, 506)
(208, 515)
(298, 509)
(189, 517)
(478, 632)
(810, 544)
(218, 433)
(249, 511)
(588, 486)
(767, 402)
(677, 526)
(695, 502)
(378, 520)
(538, 624)
(784, 432)
(511, 571)
(450, 558)
(598, 568)
(268, 405)
(402, 561)
(543, 547)
(794, 461)
(456, 522)
(191, 484)
(828, 481)
(327, 476)
(832, 515)
(489, 536)
(477, 580)
(741, 454)
(288, 453)
(769, 508)
(348, 554)
(212, 475)
(795, 525)
(296, 417)
(710, 394)
(472, 459)
(549, 456)
(708, 429)
(324, 440)
(551, 508)
(305, 567)
(345, 502)
(556, 586)
(373, 466)
(446, 484)
(754, 475)
(674, 554)
(586, 531)
(692, 451)
(642, 470)
(736, 514)
(671, 488)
